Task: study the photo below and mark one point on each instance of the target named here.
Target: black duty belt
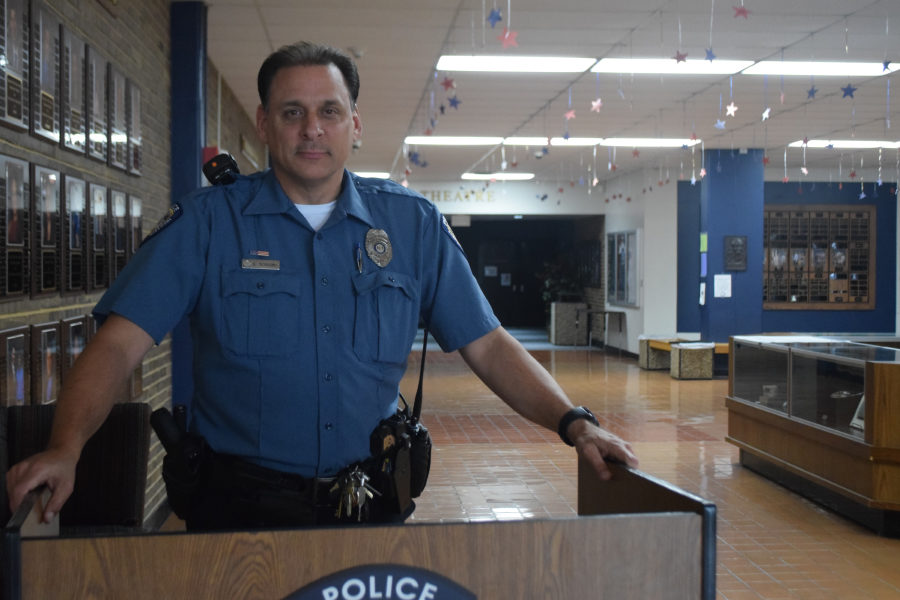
(316, 489)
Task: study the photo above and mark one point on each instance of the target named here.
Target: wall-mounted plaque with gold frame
(118, 203)
(75, 236)
(46, 363)
(15, 355)
(118, 121)
(135, 131)
(74, 97)
(74, 339)
(46, 262)
(99, 236)
(136, 224)
(97, 99)
(14, 63)
(15, 212)
(45, 76)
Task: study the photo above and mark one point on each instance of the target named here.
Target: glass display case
(824, 410)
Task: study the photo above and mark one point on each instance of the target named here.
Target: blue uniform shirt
(300, 339)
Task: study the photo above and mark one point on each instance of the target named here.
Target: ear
(261, 119)
(357, 125)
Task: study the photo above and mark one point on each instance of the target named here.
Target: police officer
(304, 285)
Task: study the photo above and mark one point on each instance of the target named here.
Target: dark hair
(305, 54)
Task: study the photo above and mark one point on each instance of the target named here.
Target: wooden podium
(637, 537)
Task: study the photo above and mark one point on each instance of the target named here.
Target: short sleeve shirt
(300, 338)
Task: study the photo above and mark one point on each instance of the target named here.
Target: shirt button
(326, 329)
(329, 426)
(324, 281)
(260, 285)
(328, 376)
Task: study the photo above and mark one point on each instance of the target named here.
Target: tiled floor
(490, 464)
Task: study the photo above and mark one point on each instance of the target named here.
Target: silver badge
(378, 247)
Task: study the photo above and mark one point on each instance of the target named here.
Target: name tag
(261, 264)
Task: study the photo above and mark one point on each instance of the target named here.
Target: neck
(310, 192)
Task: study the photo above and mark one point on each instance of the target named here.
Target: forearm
(94, 382)
(517, 378)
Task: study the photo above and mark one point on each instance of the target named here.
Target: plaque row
(61, 234)
(63, 90)
(37, 358)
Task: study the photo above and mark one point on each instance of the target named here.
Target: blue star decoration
(545, 150)
(494, 17)
(566, 135)
(709, 55)
(886, 65)
(848, 91)
(414, 158)
(811, 93)
(454, 102)
(720, 124)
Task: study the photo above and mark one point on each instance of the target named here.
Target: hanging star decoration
(886, 65)
(848, 91)
(508, 38)
(494, 17)
(635, 153)
(680, 56)
(853, 174)
(454, 102)
(429, 131)
(765, 160)
(566, 135)
(785, 179)
(804, 170)
(766, 113)
(702, 172)
(720, 124)
(731, 109)
(811, 93)
(709, 55)
(545, 150)
(740, 11)
(448, 84)
(596, 104)
(570, 114)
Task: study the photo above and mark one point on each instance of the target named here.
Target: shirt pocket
(387, 315)
(260, 312)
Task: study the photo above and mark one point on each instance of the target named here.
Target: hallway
(490, 464)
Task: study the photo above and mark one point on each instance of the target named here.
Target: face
(309, 126)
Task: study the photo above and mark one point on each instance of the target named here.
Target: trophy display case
(821, 415)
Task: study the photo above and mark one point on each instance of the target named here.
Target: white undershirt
(316, 214)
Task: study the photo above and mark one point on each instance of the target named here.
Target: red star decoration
(660, 183)
(571, 184)
(841, 185)
(680, 56)
(560, 190)
(428, 131)
(514, 164)
(852, 174)
(570, 114)
(740, 11)
(693, 136)
(508, 38)
(784, 180)
(805, 141)
(635, 153)
(612, 168)
(628, 199)
(765, 160)
(448, 84)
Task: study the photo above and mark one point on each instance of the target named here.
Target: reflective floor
(490, 464)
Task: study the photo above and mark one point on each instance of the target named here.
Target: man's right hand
(54, 468)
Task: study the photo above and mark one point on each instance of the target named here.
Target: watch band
(579, 412)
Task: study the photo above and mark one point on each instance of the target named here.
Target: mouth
(311, 153)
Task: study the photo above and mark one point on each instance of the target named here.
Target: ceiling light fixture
(514, 64)
(373, 174)
(667, 66)
(845, 144)
(497, 176)
(451, 140)
(820, 68)
(436, 140)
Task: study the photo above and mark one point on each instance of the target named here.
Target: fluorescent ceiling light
(515, 64)
(451, 140)
(575, 141)
(526, 141)
(848, 144)
(662, 66)
(820, 69)
(374, 174)
(650, 142)
(497, 176)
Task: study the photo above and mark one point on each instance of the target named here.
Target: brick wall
(229, 127)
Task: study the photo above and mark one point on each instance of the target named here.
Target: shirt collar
(271, 199)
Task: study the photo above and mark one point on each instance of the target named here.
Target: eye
(291, 114)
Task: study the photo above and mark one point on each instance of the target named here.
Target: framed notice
(135, 132)
(97, 100)
(118, 121)
(136, 226)
(45, 102)
(75, 246)
(14, 61)
(119, 224)
(99, 236)
(46, 363)
(15, 212)
(74, 339)
(15, 382)
(47, 262)
(74, 98)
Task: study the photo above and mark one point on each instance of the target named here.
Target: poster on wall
(118, 123)
(14, 63)
(75, 246)
(99, 219)
(135, 132)
(46, 247)
(15, 379)
(46, 363)
(15, 210)
(45, 102)
(74, 99)
(97, 99)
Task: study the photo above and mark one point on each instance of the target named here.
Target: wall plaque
(46, 248)
(45, 102)
(15, 212)
(14, 62)
(74, 98)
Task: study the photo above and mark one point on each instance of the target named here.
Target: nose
(312, 128)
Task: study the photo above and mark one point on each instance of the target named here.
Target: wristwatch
(579, 412)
